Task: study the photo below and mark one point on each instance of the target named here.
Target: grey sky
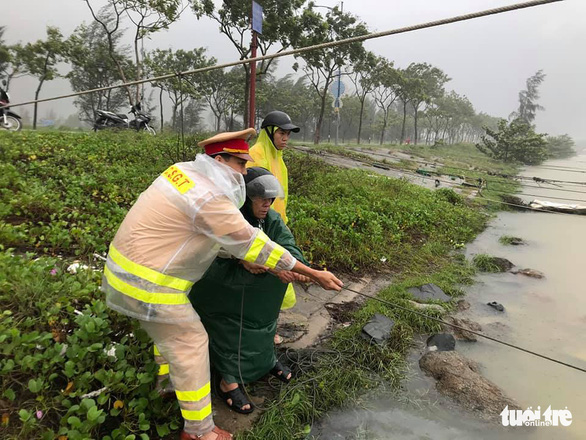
(488, 59)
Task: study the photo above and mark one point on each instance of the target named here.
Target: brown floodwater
(544, 315)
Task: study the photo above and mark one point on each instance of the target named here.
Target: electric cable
(433, 318)
(320, 46)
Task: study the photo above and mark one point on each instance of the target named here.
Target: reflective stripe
(259, 243)
(275, 256)
(148, 274)
(156, 350)
(163, 369)
(194, 396)
(143, 295)
(197, 415)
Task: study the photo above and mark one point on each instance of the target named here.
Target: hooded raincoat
(266, 155)
(167, 241)
(229, 295)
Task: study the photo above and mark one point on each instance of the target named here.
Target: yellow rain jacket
(266, 155)
(173, 233)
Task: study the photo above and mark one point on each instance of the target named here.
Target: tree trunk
(161, 107)
(138, 73)
(416, 108)
(36, 103)
(404, 121)
(320, 119)
(382, 133)
(360, 121)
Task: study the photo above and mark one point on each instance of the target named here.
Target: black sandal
(238, 398)
(281, 372)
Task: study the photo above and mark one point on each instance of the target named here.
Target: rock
(503, 264)
(462, 305)
(530, 273)
(459, 378)
(441, 342)
(427, 306)
(463, 335)
(427, 292)
(515, 241)
(378, 329)
(496, 306)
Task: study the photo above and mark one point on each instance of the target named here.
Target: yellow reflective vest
(171, 236)
(265, 155)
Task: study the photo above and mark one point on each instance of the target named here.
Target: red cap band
(234, 146)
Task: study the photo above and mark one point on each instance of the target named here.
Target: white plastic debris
(75, 267)
(94, 393)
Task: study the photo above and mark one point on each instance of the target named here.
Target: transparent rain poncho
(172, 234)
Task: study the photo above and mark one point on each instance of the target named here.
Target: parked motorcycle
(8, 120)
(110, 120)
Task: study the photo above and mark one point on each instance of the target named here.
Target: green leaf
(9, 394)
(163, 430)
(24, 415)
(94, 413)
(35, 385)
(74, 421)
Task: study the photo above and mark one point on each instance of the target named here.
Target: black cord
(388, 303)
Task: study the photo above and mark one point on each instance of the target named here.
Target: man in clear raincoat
(165, 244)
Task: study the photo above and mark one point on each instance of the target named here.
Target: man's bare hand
(253, 267)
(327, 280)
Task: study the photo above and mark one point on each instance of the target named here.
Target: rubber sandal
(281, 372)
(238, 398)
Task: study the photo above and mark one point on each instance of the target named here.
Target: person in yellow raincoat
(267, 153)
(167, 241)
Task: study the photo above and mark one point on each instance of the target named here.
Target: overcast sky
(488, 59)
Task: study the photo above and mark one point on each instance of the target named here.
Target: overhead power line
(357, 39)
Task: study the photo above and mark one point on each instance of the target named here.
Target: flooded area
(544, 315)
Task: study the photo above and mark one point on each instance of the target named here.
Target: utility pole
(339, 91)
(256, 29)
(252, 98)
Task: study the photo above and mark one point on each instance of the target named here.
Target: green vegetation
(487, 263)
(348, 366)
(62, 197)
(508, 240)
(560, 147)
(514, 141)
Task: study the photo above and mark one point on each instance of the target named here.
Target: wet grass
(348, 367)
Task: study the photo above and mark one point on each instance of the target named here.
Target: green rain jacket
(217, 298)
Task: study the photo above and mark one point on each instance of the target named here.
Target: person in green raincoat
(267, 152)
(239, 302)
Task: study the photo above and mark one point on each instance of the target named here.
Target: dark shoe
(238, 398)
(496, 306)
(281, 372)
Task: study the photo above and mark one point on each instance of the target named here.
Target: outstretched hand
(327, 280)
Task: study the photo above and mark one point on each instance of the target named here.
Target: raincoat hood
(265, 155)
(228, 181)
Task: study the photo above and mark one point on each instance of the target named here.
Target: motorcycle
(8, 120)
(110, 120)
